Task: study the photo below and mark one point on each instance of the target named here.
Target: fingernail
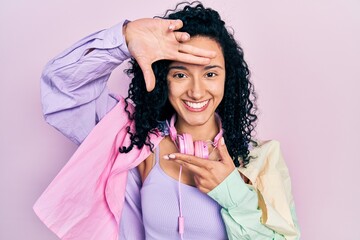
(169, 156)
(186, 37)
(222, 141)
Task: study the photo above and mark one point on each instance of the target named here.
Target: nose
(197, 89)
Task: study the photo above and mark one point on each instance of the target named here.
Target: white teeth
(196, 105)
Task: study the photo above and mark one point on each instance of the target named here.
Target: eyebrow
(180, 67)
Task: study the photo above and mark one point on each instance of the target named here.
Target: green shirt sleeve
(240, 210)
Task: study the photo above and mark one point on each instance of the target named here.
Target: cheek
(218, 89)
(173, 92)
(174, 98)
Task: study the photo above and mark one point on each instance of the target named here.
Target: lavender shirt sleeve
(75, 98)
(73, 84)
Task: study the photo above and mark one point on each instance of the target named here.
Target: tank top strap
(157, 153)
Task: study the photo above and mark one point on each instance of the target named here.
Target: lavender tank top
(160, 209)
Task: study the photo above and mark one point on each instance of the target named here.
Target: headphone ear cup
(201, 149)
(185, 144)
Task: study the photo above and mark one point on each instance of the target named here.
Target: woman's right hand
(150, 40)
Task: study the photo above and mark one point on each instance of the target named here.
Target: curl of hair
(237, 109)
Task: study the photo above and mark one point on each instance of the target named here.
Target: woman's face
(195, 91)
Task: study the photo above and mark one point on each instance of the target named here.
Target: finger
(149, 76)
(184, 48)
(198, 184)
(175, 24)
(192, 168)
(182, 36)
(224, 154)
(188, 159)
(191, 59)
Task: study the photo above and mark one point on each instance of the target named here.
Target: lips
(196, 106)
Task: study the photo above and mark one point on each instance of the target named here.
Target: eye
(179, 75)
(211, 75)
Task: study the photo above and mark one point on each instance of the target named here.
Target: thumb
(149, 76)
(223, 152)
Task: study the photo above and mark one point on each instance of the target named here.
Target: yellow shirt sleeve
(270, 177)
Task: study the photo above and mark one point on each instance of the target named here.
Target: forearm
(240, 210)
(73, 84)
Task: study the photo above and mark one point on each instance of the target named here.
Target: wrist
(231, 192)
(124, 31)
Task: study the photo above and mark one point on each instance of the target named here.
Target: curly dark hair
(237, 108)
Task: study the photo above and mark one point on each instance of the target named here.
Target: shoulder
(264, 152)
(145, 166)
(265, 159)
(270, 175)
(261, 145)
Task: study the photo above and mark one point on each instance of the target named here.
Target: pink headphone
(185, 144)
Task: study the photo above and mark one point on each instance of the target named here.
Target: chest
(164, 199)
(169, 167)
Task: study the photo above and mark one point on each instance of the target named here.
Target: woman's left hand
(207, 173)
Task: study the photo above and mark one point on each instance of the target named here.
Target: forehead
(207, 44)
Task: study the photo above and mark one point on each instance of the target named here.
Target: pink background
(304, 57)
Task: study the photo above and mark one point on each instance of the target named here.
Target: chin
(199, 120)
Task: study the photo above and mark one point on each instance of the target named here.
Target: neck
(204, 132)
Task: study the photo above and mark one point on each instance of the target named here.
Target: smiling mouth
(196, 106)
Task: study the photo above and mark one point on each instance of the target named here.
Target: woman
(121, 182)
